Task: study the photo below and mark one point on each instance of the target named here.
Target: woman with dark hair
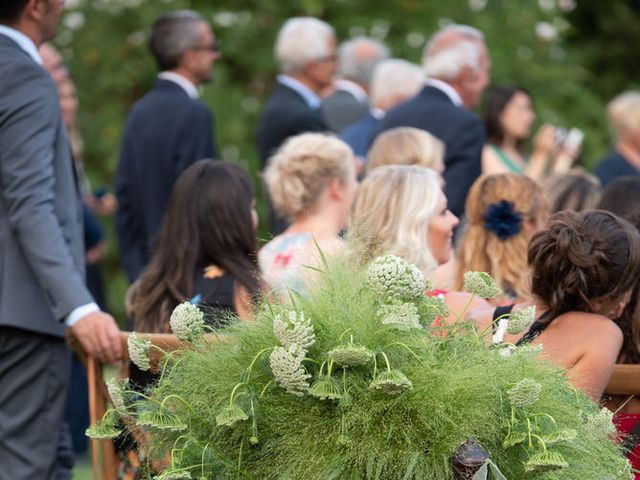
(508, 117)
(585, 266)
(206, 252)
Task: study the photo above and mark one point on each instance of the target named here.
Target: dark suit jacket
(612, 166)
(341, 109)
(166, 131)
(41, 248)
(359, 136)
(460, 129)
(285, 114)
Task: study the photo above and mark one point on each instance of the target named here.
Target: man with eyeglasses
(306, 53)
(167, 130)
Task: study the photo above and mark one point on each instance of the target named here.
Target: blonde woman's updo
(302, 169)
(407, 146)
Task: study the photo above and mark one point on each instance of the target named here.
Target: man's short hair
(172, 35)
(623, 113)
(452, 49)
(302, 40)
(395, 78)
(11, 10)
(358, 57)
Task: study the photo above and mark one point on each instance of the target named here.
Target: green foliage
(104, 42)
(400, 415)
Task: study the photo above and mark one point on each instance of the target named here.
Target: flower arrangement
(351, 381)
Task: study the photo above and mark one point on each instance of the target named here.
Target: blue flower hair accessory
(503, 220)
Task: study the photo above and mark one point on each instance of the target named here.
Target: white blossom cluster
(394, 278)
(116, 392)
(294, 329)
(187, 322)
(481, 284)
(287, 369)
(401, 315)
(520, 320)
(525, 392)
(601, 424)
(139, 349)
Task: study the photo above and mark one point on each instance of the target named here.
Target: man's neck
(310, 84)
(629, 152)
(27, 30)
(186, 74)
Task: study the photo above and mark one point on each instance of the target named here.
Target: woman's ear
(336, 189)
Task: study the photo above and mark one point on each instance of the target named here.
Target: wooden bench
(103, 453)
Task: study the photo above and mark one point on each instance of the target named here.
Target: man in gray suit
(42, 287)
(357, 59)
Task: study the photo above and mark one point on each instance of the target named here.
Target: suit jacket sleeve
(28, 136)
(463, 164)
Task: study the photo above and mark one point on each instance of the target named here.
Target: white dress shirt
(186, 84)
(447, 89)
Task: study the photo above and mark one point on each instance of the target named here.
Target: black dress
(215, 296)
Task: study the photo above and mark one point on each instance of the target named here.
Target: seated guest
(401, 210)
(624, 120)
(206, 253)
(585, 266)
(394, 81)
(576, 190)
(357, 59)
(407, 146)
(312, 181)
(622, 196)
(508, 117)
(503, 212)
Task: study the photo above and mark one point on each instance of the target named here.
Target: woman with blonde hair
(312, 180)
(401, 210)
(503, 212)
(407, 146)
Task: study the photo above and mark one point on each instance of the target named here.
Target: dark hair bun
(583, 258)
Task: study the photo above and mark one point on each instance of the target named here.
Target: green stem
(484, 331)
(386, 359)
(405, 346)
(265, 388)
(240, 456)
(460, 316)
(233, 392)
(545, 415)
(540, 441)
(255, 359)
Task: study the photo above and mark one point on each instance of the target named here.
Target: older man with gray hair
(457, 65)
(166, 131)
(394, 81)
(306, 53)
(357, 59)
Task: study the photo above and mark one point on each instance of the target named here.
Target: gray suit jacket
(341, 109)
(41, 243)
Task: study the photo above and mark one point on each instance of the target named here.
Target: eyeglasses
(213, 48)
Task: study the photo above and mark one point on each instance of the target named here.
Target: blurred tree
(104, 42)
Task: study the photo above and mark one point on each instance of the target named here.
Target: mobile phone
(574, 139)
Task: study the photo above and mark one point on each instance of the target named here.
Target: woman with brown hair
(503, 212)
(206, 252)
(585, 266)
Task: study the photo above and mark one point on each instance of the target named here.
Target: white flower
(391, 382)
(287, 369)
(601, 424)
(294, 329)
(139, 349)
(187, 322)
(395, 278)
(116, 392)
(351, 355)
(400, 315)
(520, 320)
(481, 284)
(525, 392)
